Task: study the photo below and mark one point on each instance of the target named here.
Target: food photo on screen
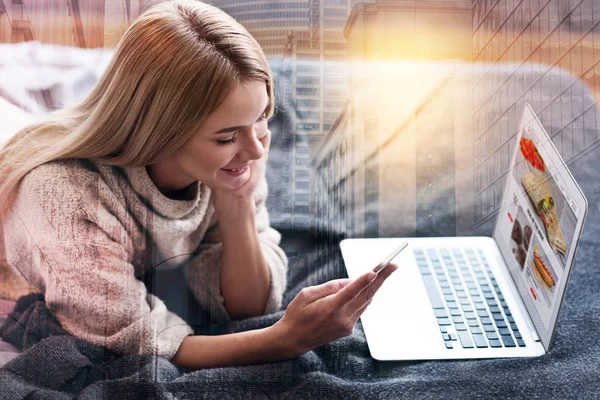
(545, 278)
(545, 199)
(520, 237)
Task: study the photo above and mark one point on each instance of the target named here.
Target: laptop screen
(540, 223)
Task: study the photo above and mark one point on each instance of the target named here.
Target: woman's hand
(321, 314)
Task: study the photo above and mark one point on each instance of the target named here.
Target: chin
(221, 184)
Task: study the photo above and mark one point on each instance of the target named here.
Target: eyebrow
(235, 128)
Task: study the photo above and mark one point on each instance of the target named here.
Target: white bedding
(12, 119)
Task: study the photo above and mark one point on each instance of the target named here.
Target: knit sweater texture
(86, 234)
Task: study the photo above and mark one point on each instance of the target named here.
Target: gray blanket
(57, 365)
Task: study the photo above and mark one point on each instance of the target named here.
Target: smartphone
(390, 257)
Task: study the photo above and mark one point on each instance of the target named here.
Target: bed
(42, 361)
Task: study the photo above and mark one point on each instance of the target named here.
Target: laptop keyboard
(468, 304)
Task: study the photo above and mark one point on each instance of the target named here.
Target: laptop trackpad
(400, 322)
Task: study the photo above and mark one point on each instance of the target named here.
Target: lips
(234, 170)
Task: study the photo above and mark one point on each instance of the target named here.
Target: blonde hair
(173, 67)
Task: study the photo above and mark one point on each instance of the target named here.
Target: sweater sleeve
(80, 251)
(204, 272)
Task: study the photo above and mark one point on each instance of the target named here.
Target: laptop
(482, 297)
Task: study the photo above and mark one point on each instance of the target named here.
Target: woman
(164, 163)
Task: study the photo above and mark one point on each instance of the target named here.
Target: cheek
(220, 157)
(205, 157)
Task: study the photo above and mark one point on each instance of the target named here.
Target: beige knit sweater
(84, 233)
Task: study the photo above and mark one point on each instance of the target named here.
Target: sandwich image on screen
(541, 222)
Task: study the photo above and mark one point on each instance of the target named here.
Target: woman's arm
(210, 275)
(318, 315)
(245, 276)
(253, 267)
(250, 347)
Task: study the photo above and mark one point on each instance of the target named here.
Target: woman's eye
(226, 142)
(262, 118)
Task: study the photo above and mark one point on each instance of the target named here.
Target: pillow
(13, 119)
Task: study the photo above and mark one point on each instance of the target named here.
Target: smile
(235, 172)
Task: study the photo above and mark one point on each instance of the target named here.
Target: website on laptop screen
(540, 222)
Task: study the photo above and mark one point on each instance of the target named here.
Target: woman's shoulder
(62, 174)
(61, 181)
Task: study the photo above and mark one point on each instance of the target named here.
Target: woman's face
(220, 153)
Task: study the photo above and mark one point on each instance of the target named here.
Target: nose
(252, 148)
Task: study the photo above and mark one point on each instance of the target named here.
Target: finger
(367, 294)
(390, 265)
(360, 311)
(313, 293)
(354, 288)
